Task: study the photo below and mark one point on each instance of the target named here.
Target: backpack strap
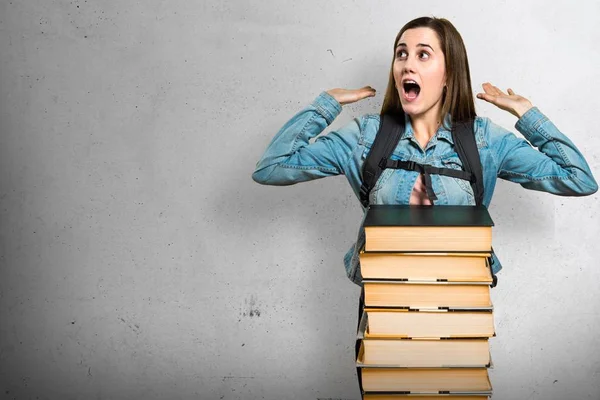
(390, 130)
(464, 143)
(426, 170)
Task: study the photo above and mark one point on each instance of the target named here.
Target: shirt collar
(442, 133)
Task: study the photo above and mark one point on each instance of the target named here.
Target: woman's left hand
(511, 102)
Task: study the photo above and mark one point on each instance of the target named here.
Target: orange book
(429, 295)
(426, 380)
(451, 267)
(402, 323)
(430, 353)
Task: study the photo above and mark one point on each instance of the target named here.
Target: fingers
(366, 91)
(488, 88)
(370, 91)
(487, 97)
(491, 89)
(490, 94)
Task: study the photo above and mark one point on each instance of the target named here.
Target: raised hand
(347, 96)
(513, 103)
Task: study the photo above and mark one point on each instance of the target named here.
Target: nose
(409, 65)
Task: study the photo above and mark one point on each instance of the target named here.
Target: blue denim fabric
(557, 166)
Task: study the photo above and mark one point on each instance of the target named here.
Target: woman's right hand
(347, 96)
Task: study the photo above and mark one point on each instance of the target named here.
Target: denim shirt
(557, 166)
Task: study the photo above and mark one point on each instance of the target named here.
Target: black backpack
(390, 130)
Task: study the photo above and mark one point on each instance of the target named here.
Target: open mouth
(411, 89)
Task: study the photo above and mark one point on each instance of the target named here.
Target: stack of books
(426, 313)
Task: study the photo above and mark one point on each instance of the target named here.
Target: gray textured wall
(138, 258)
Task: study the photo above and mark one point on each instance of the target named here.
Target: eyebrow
(418, 45)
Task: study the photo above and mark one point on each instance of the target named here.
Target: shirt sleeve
(557, 166)
(291, 158)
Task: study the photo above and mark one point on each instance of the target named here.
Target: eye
(401, 54)
(424, 55)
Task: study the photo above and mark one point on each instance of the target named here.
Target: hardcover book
(409, 228)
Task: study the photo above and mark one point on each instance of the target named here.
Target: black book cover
(413, 215)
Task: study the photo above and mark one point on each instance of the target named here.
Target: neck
(425, 126)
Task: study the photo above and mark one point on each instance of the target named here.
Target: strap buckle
(383, 163)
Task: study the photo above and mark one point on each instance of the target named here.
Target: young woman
(430, 84)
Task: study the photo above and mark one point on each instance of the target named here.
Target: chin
(410, 109)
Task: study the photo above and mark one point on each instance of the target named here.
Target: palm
(511, 102)
(347, 96)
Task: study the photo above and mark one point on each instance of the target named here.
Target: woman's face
(420, 72)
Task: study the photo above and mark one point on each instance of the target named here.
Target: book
(401, 323)
(430, 295)
(409, 228)
(452, 267)
(430, 353)
(426, 380)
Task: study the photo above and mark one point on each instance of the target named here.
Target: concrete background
(139, 260)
